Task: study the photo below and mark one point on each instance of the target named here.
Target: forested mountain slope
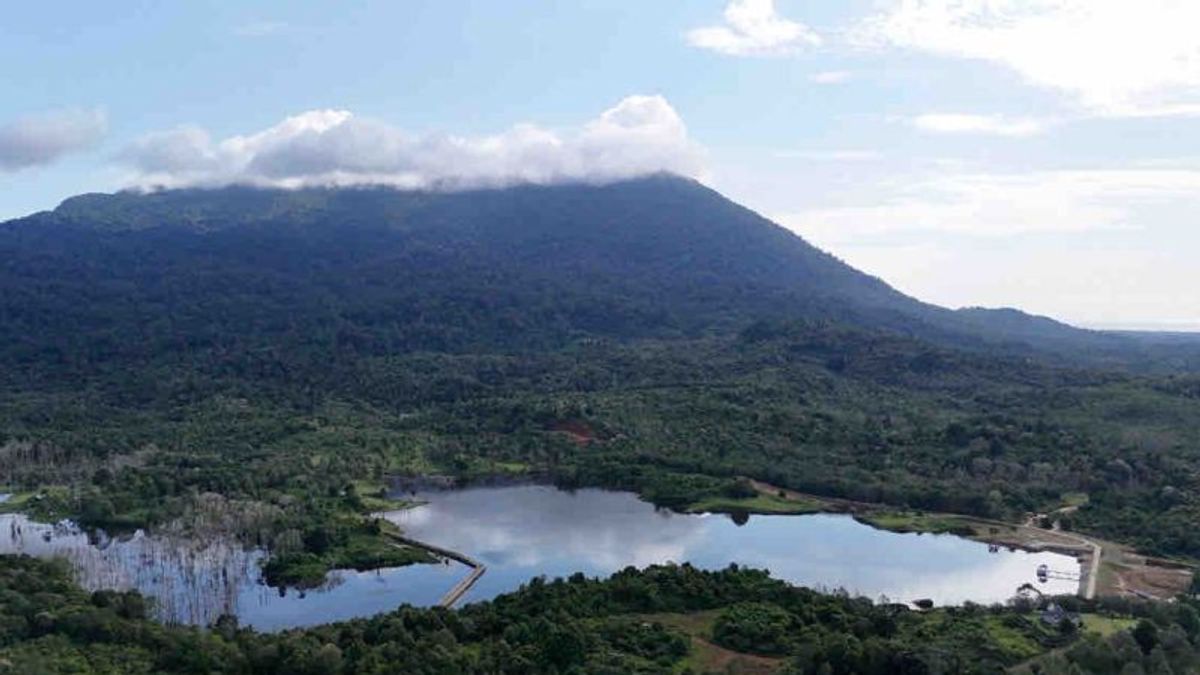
(186, 274)
(270, 347)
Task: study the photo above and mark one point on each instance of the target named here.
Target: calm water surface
(522, 532)
(527, 531)
(194, 583)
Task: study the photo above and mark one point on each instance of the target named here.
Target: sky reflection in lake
(195, 582)
(526, 531)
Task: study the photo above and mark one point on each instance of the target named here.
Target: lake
(195, 582)
(524, 531)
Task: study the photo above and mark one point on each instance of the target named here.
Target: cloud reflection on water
(526, 531)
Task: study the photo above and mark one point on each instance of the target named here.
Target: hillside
(273, 350)
(138, 277)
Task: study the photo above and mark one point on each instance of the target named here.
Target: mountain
(269, 346)
(137, 277)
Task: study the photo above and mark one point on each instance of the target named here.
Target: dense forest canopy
(376, 271)
(160, 342)
(130, 320)
(274, 352)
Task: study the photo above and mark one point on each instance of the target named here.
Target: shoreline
(775, 501)
(1087, 552)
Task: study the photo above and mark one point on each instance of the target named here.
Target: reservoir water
(526, 531)
(520, 532)
(196, 582)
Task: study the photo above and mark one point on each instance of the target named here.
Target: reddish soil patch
(716, 659)
(579, 432)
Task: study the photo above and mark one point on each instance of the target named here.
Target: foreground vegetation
(889, 421)
(659, 620)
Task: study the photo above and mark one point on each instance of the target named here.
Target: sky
(1038, 154)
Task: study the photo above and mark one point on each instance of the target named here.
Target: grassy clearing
(1106, 625)
(913, 521)
(511, 467)
(46, 504)
(373, 498)
(1074, 499)
(1108, 581)
(1016, 644)
(695, 624)
(17, 501)
(761, 504)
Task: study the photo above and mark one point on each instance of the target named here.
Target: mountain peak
(657, 255)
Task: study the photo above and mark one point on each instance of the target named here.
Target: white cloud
(1107, 283)
(1088, 246)
(831, 77)
(640, 135)
(1117, 57)
(41, 139)
(954, 123)
(1006, 204)
(754, 28)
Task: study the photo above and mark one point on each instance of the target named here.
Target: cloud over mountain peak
(639, 135)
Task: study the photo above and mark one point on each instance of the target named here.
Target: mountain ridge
(654, 256)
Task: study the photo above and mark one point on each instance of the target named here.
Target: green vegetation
(374, 497)
(910, 521)
(763, 503)
(675, 421)
(259, 362)
(703, 655)
(353, 547)
(273, 348)
(1106, 626)
(1074, 499)
(757, 627)
(47, 504)
(659, 620)
(18, 501)
(1019, 637)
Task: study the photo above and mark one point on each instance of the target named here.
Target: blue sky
(1042, 154)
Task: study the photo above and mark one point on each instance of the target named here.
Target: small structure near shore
(1044, 574)
(1054, 615)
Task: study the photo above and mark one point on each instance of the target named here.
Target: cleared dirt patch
(707, 657)
(1149, 578)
